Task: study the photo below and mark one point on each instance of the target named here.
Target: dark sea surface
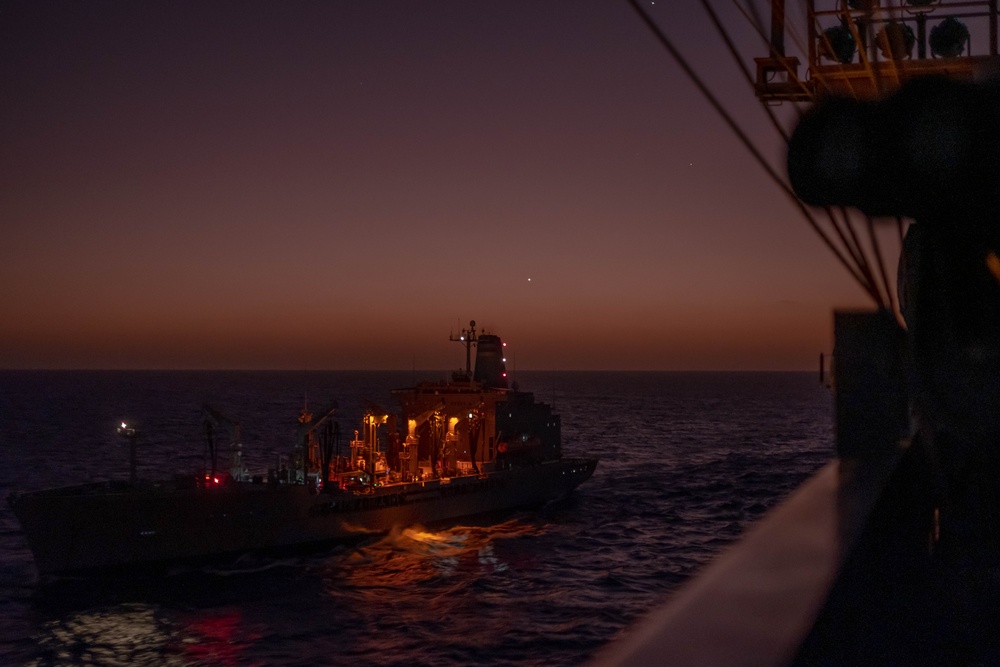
(688, 461)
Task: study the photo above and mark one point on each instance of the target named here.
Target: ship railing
(866, 516)
(758, 601)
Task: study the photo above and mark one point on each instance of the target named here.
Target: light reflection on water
(448, 587)
(687, 462)
(391, 596)
(140, 634)
(123, 635)
(416, 555)
(143, 634)
(218, 638)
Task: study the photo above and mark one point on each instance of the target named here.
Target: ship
(460, 448)
(890, 553)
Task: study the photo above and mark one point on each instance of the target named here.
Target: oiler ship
(471, 446)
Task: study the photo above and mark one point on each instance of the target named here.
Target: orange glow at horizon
(332, 186)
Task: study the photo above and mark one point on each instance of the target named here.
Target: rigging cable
(749, 145)
(856, 251)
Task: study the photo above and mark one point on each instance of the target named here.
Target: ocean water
(687, 462)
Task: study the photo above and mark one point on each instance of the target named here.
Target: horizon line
(392, 370)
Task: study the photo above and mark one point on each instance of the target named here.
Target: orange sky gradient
(261, 185)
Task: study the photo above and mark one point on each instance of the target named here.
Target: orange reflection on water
(408, 586)
(415, 556)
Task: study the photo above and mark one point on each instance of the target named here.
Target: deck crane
(213, 421)
(312, 455)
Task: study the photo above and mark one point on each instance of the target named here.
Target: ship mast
(468, 338)
(777, 29)
(130, 434)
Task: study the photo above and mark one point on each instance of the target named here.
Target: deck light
(948, 38)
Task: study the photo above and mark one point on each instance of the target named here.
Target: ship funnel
(490, 367)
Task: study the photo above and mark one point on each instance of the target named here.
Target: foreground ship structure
(461, 448)
(890, 554)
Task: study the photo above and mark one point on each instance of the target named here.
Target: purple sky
(336, 185)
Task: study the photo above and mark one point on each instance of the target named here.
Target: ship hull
(100, 527)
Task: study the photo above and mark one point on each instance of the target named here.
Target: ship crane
(366, 454)
(309, 455)
(214, 420)
(408, 458)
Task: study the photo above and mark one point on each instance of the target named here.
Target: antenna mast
(468, 337)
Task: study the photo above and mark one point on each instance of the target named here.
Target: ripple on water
(688, 461)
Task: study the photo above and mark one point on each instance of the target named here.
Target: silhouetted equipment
(931, 151)
(213, 421)
(871, 405)
(132, 435)
(894, 545)
(863, 48)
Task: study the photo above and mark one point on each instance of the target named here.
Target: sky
(342, 184)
